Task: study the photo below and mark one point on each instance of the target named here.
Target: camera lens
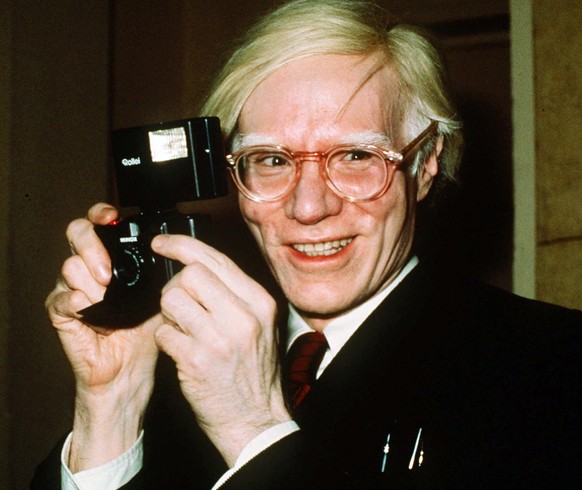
(128, 268)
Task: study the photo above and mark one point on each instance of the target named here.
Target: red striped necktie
(303, 360)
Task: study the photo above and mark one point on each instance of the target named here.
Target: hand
(220, 330)
(114, 369)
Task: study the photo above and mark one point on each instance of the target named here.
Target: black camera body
(156, 167)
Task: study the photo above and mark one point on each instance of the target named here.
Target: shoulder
(494, 331)
(473, 300)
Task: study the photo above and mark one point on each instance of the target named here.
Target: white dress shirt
(116, 473)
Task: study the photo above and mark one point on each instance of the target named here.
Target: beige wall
(55, 156)
(557, 45)
(547, 122)
(5, 119)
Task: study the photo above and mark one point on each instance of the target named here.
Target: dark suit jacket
(483, 384)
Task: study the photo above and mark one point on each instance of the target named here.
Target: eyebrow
(370, 137)
(252, 139)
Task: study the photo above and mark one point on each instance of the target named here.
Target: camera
(156, 167)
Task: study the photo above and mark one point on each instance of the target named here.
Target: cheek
(259, 218)
(251, 214)
(247, 209)
(391, 208)
(389, 219)
(262, 223)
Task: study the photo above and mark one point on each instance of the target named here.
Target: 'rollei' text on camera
(128, 162)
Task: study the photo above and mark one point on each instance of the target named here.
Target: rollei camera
(156, 167)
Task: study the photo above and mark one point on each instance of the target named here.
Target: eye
(356, 155)
(355, 158)
(274, 160)
(268, 159)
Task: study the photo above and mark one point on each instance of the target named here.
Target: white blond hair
(304, 28)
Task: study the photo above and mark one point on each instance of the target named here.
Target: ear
(428, 171)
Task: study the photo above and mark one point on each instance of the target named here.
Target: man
(339, 126)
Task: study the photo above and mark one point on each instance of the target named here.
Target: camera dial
(129, 265)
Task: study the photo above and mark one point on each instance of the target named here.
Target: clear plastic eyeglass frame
(393, 160)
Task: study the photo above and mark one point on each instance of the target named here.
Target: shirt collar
(340, 329)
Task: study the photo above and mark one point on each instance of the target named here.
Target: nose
(311, 201)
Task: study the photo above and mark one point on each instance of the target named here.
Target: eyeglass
(356, 173)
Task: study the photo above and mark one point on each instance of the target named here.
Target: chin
(321, 306)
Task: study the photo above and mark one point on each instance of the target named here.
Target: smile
(322, 248)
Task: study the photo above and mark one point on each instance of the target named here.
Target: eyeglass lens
(356, 172)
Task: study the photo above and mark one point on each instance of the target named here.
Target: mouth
(322, 248)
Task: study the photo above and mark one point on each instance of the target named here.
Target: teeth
(322, 248)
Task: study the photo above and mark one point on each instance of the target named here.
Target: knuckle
(224, 349)
(172, 297)
(75, 227)
(269, 305)
(161, 333)
(221, 261)
(70, 266)
(58, 305)
(49, 302)
(192, 273)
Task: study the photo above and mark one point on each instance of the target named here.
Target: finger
(76, 276)
(62, 305)
(194, 359)
(189, 251)
(205, 308)
(183, 313)
(102, 214)
(87, 245)
(207, 316)
(172, 342)
(181, 310)
(203, 286)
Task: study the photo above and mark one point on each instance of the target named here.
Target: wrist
(231, 439)
(106, 424)
(113, 474)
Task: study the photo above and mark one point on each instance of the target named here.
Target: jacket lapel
(372, 392)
